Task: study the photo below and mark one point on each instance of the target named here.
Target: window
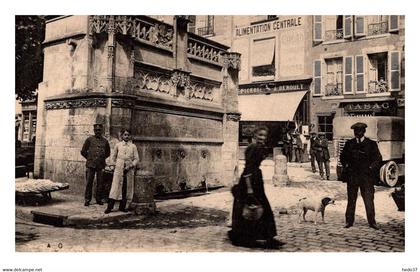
(377, 73)
(26, 128)
(317, 77)
(208, 28)
(263, 58)
(334, 28)
(377, 24)
(334, 76)
(191, 24)
(325, 124)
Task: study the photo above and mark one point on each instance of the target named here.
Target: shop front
(381, 106)
(279, 106)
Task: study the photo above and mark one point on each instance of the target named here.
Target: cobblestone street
(201, 223)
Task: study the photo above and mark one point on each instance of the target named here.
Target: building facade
(275, 75)
(348, 65)
(27, 122)
(358, 67)
(175, 90)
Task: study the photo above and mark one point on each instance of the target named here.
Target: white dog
(316, 204)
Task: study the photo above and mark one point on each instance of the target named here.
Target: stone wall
(126, 72)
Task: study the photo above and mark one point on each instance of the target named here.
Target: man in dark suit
(95, 150)
(324, 155)
(361, 160)
(313, 151)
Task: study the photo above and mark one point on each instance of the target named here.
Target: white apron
(125, 154)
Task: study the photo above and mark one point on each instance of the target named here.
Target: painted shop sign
(268, 26)
(372, 106)
(274, 89)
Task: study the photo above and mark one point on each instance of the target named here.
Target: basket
(252, 212)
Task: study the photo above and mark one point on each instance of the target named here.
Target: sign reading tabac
(268, 26)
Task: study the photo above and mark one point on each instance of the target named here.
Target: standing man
(299, 148)
(288, 145)
(95, 150)
(361, 160)
(325, 155)
(312, 150)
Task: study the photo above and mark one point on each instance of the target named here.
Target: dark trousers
(298, 154)
(367, 191)
(323, 163)
(313, 158)
(90, 175)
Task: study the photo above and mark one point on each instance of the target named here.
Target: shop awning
(263, 52)
(273, 107)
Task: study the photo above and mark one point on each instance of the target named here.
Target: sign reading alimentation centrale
(269, 26)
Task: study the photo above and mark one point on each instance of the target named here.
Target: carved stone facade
(131, 75)
(232, 60)
(233, 116)
(156, 33)
(77, 103)
(177, 84)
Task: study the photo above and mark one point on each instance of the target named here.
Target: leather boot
(111, 203)
(122, 206)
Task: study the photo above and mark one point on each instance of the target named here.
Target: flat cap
(358, 125)
(97, 125)
(312, 132)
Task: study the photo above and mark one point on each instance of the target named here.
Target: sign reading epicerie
(268, 26)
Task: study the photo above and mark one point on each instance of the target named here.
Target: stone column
(181, 42)
(144, 190)
(230, 148)
(280, 177)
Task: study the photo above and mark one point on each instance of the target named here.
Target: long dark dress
(245, 231)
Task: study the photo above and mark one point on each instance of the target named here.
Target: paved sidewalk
(199, 224)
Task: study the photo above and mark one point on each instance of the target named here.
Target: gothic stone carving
(158, 34)
(232, 60)
(179, 84)
(122, 103)
(233, 116)
(204, 51)
(79, 103)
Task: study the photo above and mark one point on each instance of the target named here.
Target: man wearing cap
(313, 152)
(324, 155)
(95, 150)
(361, 160)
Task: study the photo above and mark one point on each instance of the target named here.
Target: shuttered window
(263, 58)
(359, 27)
(393, 23)
(317, 28)
(360, 76)
(348, 75)
(317, 77)
(348, 26)
(395, 69)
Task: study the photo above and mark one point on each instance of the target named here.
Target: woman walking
(246, 230)
(125, 158)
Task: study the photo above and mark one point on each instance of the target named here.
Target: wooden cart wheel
(389, 173)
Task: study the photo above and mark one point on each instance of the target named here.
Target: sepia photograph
(268, 134)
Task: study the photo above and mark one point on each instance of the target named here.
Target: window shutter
(360, 75)
(393, 23)
(348, 75)
(317, 77)
(348, 26)
(395, 68)
(317, 28)
(359, 27)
